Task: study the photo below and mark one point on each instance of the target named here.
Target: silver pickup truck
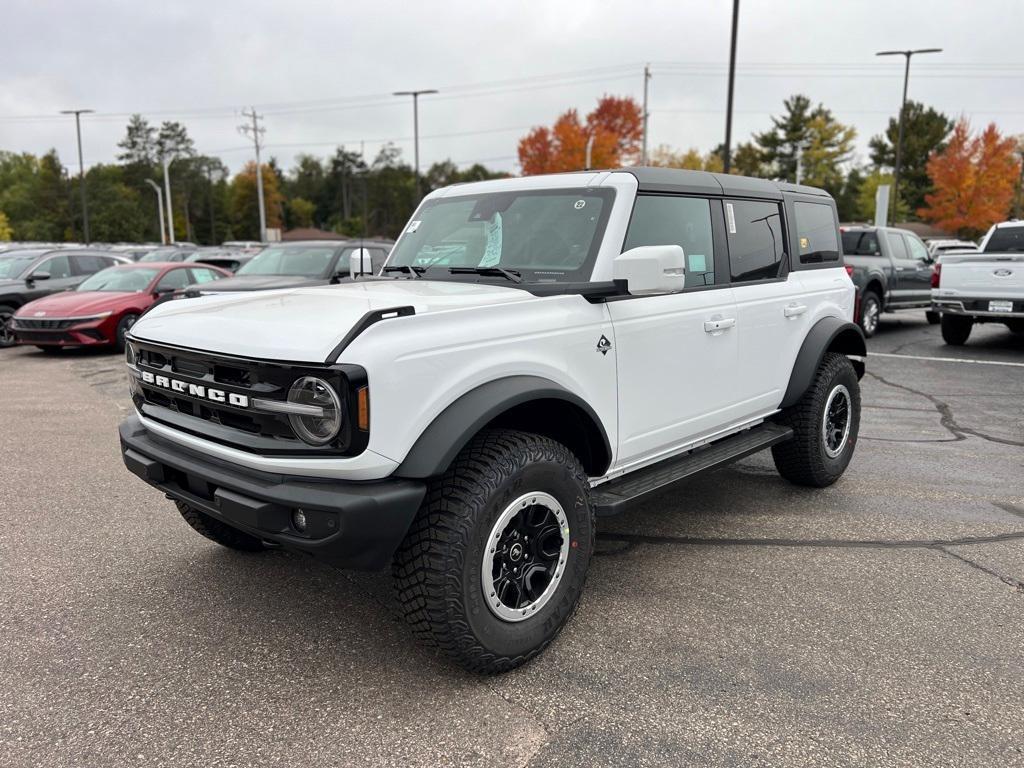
(984, 287)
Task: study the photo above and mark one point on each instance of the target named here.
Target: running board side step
(616, 496)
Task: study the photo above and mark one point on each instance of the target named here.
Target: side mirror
(360, 263)
(651, 269)
(38, 276)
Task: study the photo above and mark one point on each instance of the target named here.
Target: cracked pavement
(736, 620)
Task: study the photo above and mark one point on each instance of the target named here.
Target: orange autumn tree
(973, 180)
(615, 123)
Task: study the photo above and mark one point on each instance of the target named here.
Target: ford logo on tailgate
(1002, 272)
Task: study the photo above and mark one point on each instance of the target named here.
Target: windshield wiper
(412, 269)
(508, 274)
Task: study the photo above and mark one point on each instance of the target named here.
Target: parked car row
(54, 298)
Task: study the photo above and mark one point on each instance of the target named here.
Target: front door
(911, 276)
(676, 353)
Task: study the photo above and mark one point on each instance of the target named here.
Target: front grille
(253, 430)
(43, 337)
(30, 324)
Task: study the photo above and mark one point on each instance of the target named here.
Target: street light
(903, 108)
(416, 128)
(166, 161)
(81, 166)
(159, 208)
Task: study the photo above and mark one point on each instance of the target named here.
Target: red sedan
(102, 309)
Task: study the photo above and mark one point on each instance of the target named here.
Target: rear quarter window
(816, 232)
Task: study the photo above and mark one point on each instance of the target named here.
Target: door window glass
(756, 240)
(861, 243)
(896, 245)
(174, 280)
(58, 267)
(918, 250)
(200, 275)
(682, 221)
(87, 265)
(816, 233)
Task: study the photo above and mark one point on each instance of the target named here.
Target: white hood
(303, 324)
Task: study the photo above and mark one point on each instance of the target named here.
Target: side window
(57, 266)
(174, 280)
(683, 221)
(861, 243)
(756, 240)
(87, 265)
(918, 250)
(200, 275)
(897, 245)
(816, 233)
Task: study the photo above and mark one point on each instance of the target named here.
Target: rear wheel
(956, 329)
(6, 334)
(494, 563)
(1015, 326)
(932, 317)
(215, 530)
(870, 313)
(825, 422)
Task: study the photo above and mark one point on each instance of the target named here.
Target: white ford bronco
(536, 352)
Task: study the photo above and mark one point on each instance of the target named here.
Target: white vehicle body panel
(981, 276)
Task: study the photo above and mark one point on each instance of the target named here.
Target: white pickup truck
(985, 287)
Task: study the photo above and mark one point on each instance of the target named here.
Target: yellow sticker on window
(804, 243)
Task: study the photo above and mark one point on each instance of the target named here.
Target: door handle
(793, 310)
(901, 269)
(717, 326)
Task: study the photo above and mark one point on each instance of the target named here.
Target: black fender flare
(828, 334)
(455, 426)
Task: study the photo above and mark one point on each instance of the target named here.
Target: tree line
(962, 181)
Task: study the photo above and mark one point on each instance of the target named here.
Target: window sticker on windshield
(492, 251)
(413, 226)
(579, 204)
(697, 262)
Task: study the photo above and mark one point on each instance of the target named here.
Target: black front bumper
(348, 524)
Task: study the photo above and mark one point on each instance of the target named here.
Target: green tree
(5, 228)
(245, 212)
(138, 147)
(300, 212)
(925, 131)
(847, 201)
(827, 144)
(115, 209)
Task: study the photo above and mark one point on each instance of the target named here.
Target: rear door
(772, 311)
(676, 353)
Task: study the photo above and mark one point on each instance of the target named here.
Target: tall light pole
(416, 128)
(903, 108)
(159, 208)
(166, 160)
(643, 151)
(81, 166)
(727, 154)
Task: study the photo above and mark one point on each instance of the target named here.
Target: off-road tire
(804, 460)
(956, 329)
(870, 313)
(932, 317)
(6, 337)
(438, 567)
(123, 326)
(215, 530)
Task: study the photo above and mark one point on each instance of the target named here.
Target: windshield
(118, 279)
(1006, 239)
(12, 266)
(300, 261)
(166, 254)
(546, 235)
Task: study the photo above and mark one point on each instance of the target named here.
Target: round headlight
(321, 426)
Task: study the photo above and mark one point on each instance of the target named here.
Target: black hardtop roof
(652, 179)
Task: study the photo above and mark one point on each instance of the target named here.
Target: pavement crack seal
(1017, 584)
(947, 418)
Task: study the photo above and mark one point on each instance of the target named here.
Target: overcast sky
(322, 72)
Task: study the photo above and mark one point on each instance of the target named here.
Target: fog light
(299, 520)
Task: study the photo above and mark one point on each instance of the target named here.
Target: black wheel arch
(527, 403)
(830, 334)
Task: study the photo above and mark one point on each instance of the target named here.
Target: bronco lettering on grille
(196, 390)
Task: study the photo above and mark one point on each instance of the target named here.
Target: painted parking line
(946, 359)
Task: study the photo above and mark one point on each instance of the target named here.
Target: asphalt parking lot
(737, 621)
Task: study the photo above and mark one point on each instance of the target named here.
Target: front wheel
(825, 423)
(495, 561)
(123, 327)
(956, 329)
(6, 334)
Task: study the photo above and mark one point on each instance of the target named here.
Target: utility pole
(416, 129)
(903, 108)
(166, 160)
(255, 132)
(643, 152)
(727, 154)
(590, 147)
(209, 181)
(159, 208)
(81, 166)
